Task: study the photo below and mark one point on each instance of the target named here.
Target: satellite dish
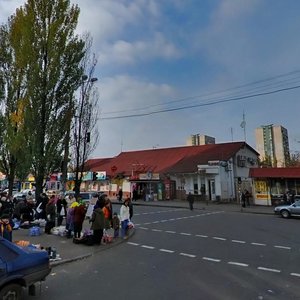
(223, 164)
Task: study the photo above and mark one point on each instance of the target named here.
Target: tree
(45, 43)
(12, 77)
(84, 130)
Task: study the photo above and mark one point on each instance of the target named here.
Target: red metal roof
(167, 160)
(274, 172)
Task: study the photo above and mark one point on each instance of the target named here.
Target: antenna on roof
(121, 145)
(243, 125)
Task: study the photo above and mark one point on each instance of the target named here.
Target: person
(50, 214)
(134, 194)
(190, 199)
(79, 216)
(61, 209)
(97, 221)
(120, 195)
(70, 219)
(41, 206)
(247, 197)
(116, 225)
(130, 205)
(6, 227)
(107, 213)
(243, 199)
(124, 218)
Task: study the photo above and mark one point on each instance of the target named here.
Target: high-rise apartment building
(272, 143)
(198, 139)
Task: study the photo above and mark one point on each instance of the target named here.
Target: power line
(202, 104)
(238, 94)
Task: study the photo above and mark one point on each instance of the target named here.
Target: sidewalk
(68, 251)
(199, 205)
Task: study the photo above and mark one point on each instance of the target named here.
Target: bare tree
(84, 132)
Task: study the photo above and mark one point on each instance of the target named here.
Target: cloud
(123, 52)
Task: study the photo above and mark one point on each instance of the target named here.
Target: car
(86, 197)
(20, 268)
(289, 210)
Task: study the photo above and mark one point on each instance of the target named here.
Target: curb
(57, 263)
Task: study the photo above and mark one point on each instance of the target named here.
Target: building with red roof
(213, 171)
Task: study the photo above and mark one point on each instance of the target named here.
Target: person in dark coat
(120, 195)
(98, 223)
(50, 214)
(190, 199)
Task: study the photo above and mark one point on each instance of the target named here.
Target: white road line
(201, 235)
(170, 231)
(237, 264)
(166, 250)
(258, 244)
(148, 247)
(211, 259)
(137, 224)
(184, 233)
(269, 270)
(133, 244)
(283, 247)
(295, 274)
(156, 230)
(218, 238)
(147, 223)
(238, 241)
(155, 222)
(171, 219)
(162, 221)
(187, 255)
(145, 228)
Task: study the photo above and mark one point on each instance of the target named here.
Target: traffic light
(94, 176)
(88, 137)
(239, 180)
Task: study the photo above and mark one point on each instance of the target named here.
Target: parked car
(86, 197)
(21, 268)
(20, 195)
(289, 210)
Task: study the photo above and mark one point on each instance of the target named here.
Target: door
(212, 190)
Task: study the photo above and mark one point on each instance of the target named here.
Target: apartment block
(272, 143)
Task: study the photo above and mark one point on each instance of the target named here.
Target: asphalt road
(182, 254)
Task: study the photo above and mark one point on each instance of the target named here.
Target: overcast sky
(191, 66)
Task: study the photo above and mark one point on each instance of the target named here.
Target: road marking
(157, 230)
(218, 238)
(201, 235)
(238, 241)
(155, 222)
(269, 270)
(170, 231)
(148, 247)
(162, 221)
(187, 255)
(145, 228)
(295, 274)
(283, 247)
(258, 244)
(237, 264)
(211, 259)
(147, 223)
(166, 250)
(185, 233)
(133, 244)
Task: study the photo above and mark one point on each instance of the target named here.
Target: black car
(20, 268)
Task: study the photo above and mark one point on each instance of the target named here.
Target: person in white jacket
(124, 218)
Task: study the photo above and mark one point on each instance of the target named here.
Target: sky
(171, 68)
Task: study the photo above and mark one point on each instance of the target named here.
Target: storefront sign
(149, 176)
